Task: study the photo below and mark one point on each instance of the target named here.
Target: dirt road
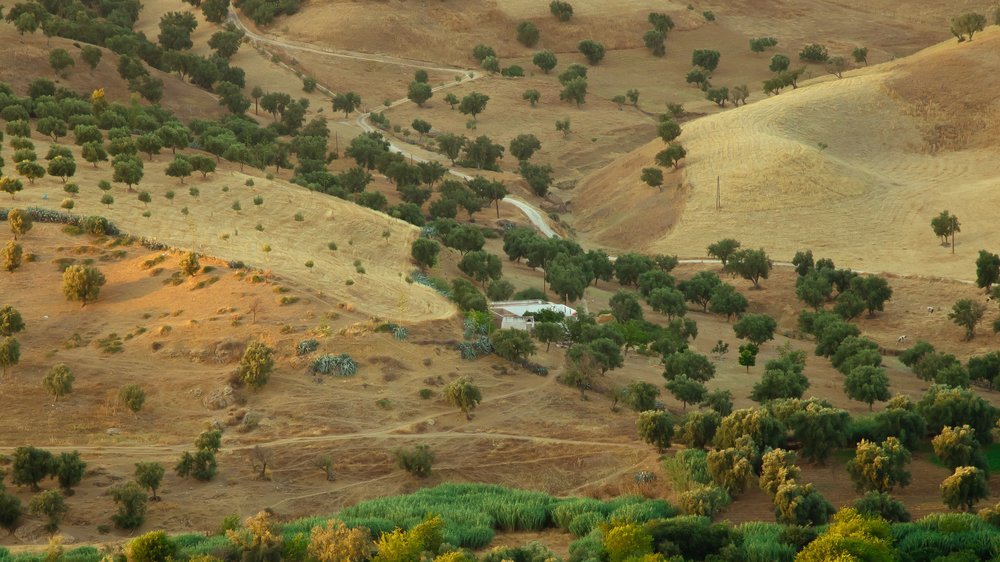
(531, 213)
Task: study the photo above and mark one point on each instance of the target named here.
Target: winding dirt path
(400, 431)
(234, 18)
(362, 122)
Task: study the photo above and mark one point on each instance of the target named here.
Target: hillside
(367, 269)
(27, 58)
(879, 152)
(445, 31)
(853, 168)
(180, 341)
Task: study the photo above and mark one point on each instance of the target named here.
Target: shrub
(527, 34)
(256, 365)
(131, 501)
(416, 461)
(155, 546)
(582, 524)
(10, 512)
(342, 365)
(707, 501)
(814, 52)
(132, 397)
(563, 11)
(306, 347)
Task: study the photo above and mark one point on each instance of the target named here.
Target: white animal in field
(901, 339)
(930, 309)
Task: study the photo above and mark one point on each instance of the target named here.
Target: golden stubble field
(853, 168)
(266, 236)
(443, 33)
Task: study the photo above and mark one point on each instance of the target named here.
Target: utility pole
(718, 192)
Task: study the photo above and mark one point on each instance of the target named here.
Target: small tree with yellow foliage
(454, 556)
(625, 540)
(260, 540)
(337, 543)
(851, 536)
(97, 101)
(406, 546)
(397, 546)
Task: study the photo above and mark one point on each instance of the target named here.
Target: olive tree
(10, 353)
(966, 25)
(752, 265)
(957, 446)
(10, 321)
(20, 222)
(755, 328)
(424, 252)
(58, 381)
(879, 467)
(256, 365)
(656, 427)
(967, 314)
(131, 501)
(149, 475)
(512, 345)
(69, 469)
(964, 488)
(867, 384)
(51, 505)
(801, 504)
(463, 395)
(82, 283)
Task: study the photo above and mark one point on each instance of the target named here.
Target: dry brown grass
(865, 200)
(212, 227)
(27, 58)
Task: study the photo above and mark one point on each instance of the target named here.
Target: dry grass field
(366, 240)
(26, 58)
(853, 168)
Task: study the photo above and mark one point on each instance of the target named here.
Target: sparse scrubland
(244, 301)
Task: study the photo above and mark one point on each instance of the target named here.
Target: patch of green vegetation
(206, 282)
(75, 341)
(154, 261)
(112, 343)
(62, 263)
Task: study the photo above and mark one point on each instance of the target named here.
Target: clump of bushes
(397, 331)
(306, 347)
(330, 364)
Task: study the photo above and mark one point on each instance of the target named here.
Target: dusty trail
(395, 432)
(234, 18)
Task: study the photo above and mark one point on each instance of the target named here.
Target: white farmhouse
(517, 315)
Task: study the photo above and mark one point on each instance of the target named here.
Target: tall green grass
(472, 513)
(761, 543)
(943, 534)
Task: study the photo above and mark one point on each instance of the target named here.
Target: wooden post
(718, 192)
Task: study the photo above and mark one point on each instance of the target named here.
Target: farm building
(518, 315)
